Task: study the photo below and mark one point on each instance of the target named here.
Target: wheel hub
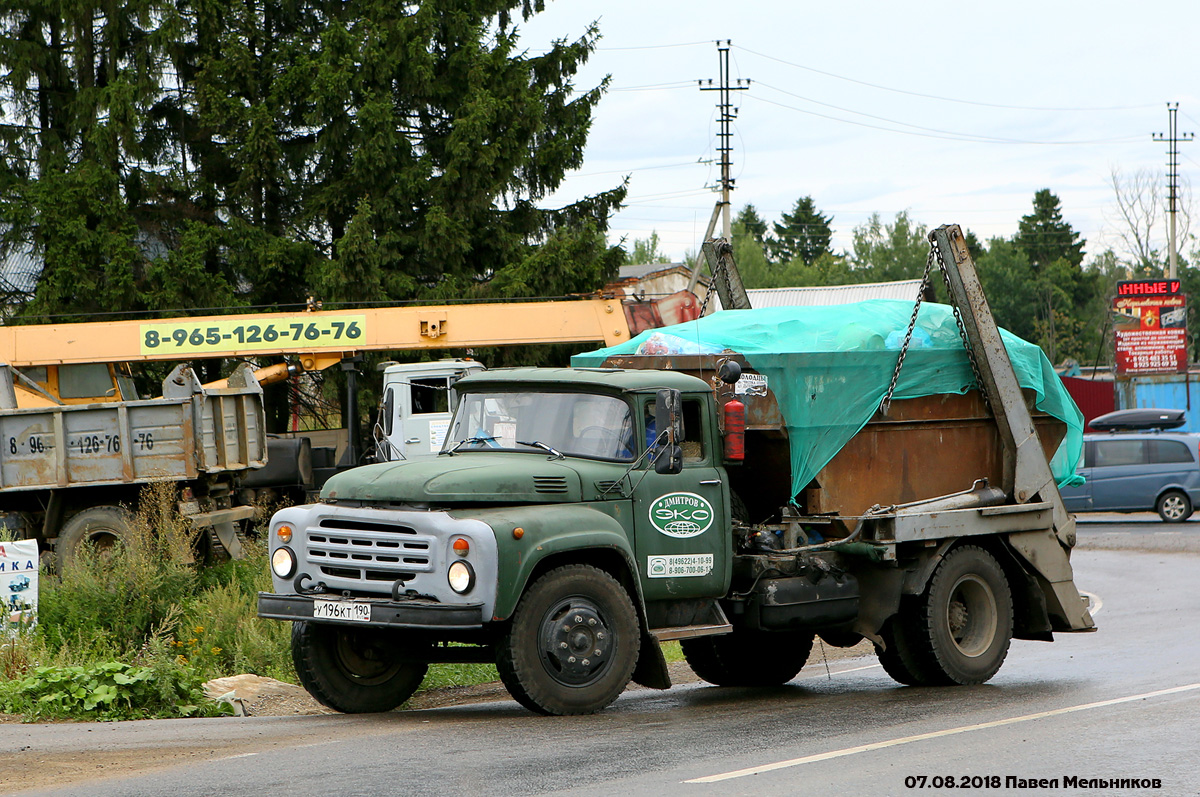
(971, 615)
(577, 643)
(362, 660)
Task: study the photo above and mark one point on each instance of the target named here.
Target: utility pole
(725, 137)
(1173, 138)
(727, 114)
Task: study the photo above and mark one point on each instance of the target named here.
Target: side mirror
(389, 410)
(669, 460)
(668, 417)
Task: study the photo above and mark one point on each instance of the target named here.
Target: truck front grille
(367, 551)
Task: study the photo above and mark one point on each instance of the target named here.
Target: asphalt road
(1120, 703)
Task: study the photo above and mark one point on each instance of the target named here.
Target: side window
(37, 373)
(693, 430)
(1120, 452)
(84, 381)
(1164, 451)
(430, 394)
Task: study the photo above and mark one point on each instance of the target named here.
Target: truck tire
(353, 670)
(1174, 506)
(102, 527)
(901, 655)
(748, 658)
(573, 643)
(959, 630)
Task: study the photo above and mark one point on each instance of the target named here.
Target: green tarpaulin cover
(829, 367)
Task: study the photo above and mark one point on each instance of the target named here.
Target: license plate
(342, 610)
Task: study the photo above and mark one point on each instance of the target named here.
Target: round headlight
(283, 562)
(461, 577)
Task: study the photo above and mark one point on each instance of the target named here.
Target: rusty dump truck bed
(191, 430)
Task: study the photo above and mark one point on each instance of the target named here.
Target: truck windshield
(577, 424)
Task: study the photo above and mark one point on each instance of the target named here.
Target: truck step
(689, 631)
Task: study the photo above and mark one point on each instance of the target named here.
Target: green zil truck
(744, 498)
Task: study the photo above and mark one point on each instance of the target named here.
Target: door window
(430, 394)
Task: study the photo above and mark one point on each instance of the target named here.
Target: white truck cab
(415, 407)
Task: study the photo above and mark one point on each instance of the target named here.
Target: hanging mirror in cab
(668, 416)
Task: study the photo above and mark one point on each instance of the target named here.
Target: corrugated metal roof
(639, 270)
(19, 272)
(833, 294)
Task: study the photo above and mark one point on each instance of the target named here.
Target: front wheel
(1174, 506)
(573, 643)
(354, 670)
(748, 658)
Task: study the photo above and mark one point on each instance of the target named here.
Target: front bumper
(385, 613)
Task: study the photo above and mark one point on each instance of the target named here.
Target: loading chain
(723, 273)
(935, 254)
(886, 404)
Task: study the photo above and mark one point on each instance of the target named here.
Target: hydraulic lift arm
(1027, 475)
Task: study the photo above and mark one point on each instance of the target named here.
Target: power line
(681, 84)
(936, 97)
(654, 46)
(948, 135)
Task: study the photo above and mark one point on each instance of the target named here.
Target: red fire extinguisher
(735, 431)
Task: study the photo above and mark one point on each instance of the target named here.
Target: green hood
(473, 477)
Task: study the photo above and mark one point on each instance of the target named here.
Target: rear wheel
(573, 643)
(959, 630)
(104, 528)
(354, 670)
(748, 658)
(1174, 506)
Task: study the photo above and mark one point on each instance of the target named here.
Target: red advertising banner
(1151, 334)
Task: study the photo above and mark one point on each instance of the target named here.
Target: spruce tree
(804, 233)
(1045, 237)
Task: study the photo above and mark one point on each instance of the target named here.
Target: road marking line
(835, 672)
(1095, 602)
(866, 748)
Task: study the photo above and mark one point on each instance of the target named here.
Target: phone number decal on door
(298, 333)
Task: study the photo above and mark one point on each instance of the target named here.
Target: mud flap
(651, 670)
(1051, 567)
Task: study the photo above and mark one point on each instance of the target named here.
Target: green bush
(109, 690)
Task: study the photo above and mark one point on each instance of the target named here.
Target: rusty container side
(926, 447)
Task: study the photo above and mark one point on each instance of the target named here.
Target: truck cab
(414, 413)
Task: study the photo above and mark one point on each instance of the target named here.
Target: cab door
(682, 537)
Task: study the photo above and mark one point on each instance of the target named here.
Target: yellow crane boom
(328, 334)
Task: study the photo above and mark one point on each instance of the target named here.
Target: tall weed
(108, 603)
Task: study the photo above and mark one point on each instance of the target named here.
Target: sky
(957, 112)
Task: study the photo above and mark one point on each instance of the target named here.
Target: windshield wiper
(464, 441)
(539, 444)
